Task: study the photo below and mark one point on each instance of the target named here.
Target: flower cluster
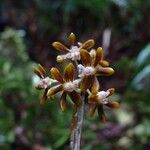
(80, 78)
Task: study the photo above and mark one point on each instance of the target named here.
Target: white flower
(73, 54)
(72, 86)
(93, 53)
(43, 83)
(102, 97)
(85, 71)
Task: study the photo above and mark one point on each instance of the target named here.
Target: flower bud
(72, 38)
(59, 58)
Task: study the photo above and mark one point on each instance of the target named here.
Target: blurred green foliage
(137, 95)
(19, 102)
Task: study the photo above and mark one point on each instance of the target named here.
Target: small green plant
(82, 86)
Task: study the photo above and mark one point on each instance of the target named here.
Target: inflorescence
(79, 77)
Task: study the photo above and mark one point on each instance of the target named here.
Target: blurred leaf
(61, 140)
(142, 80)
(143, 56)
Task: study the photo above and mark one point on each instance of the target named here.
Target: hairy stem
(75, 139)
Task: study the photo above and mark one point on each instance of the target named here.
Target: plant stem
(75, 139)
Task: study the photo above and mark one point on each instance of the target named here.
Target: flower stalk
(75, 138)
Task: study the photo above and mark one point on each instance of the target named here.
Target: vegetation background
(27, 29)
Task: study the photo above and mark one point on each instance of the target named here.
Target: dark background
(27, 29)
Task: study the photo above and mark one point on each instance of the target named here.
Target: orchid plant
(79, 81)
